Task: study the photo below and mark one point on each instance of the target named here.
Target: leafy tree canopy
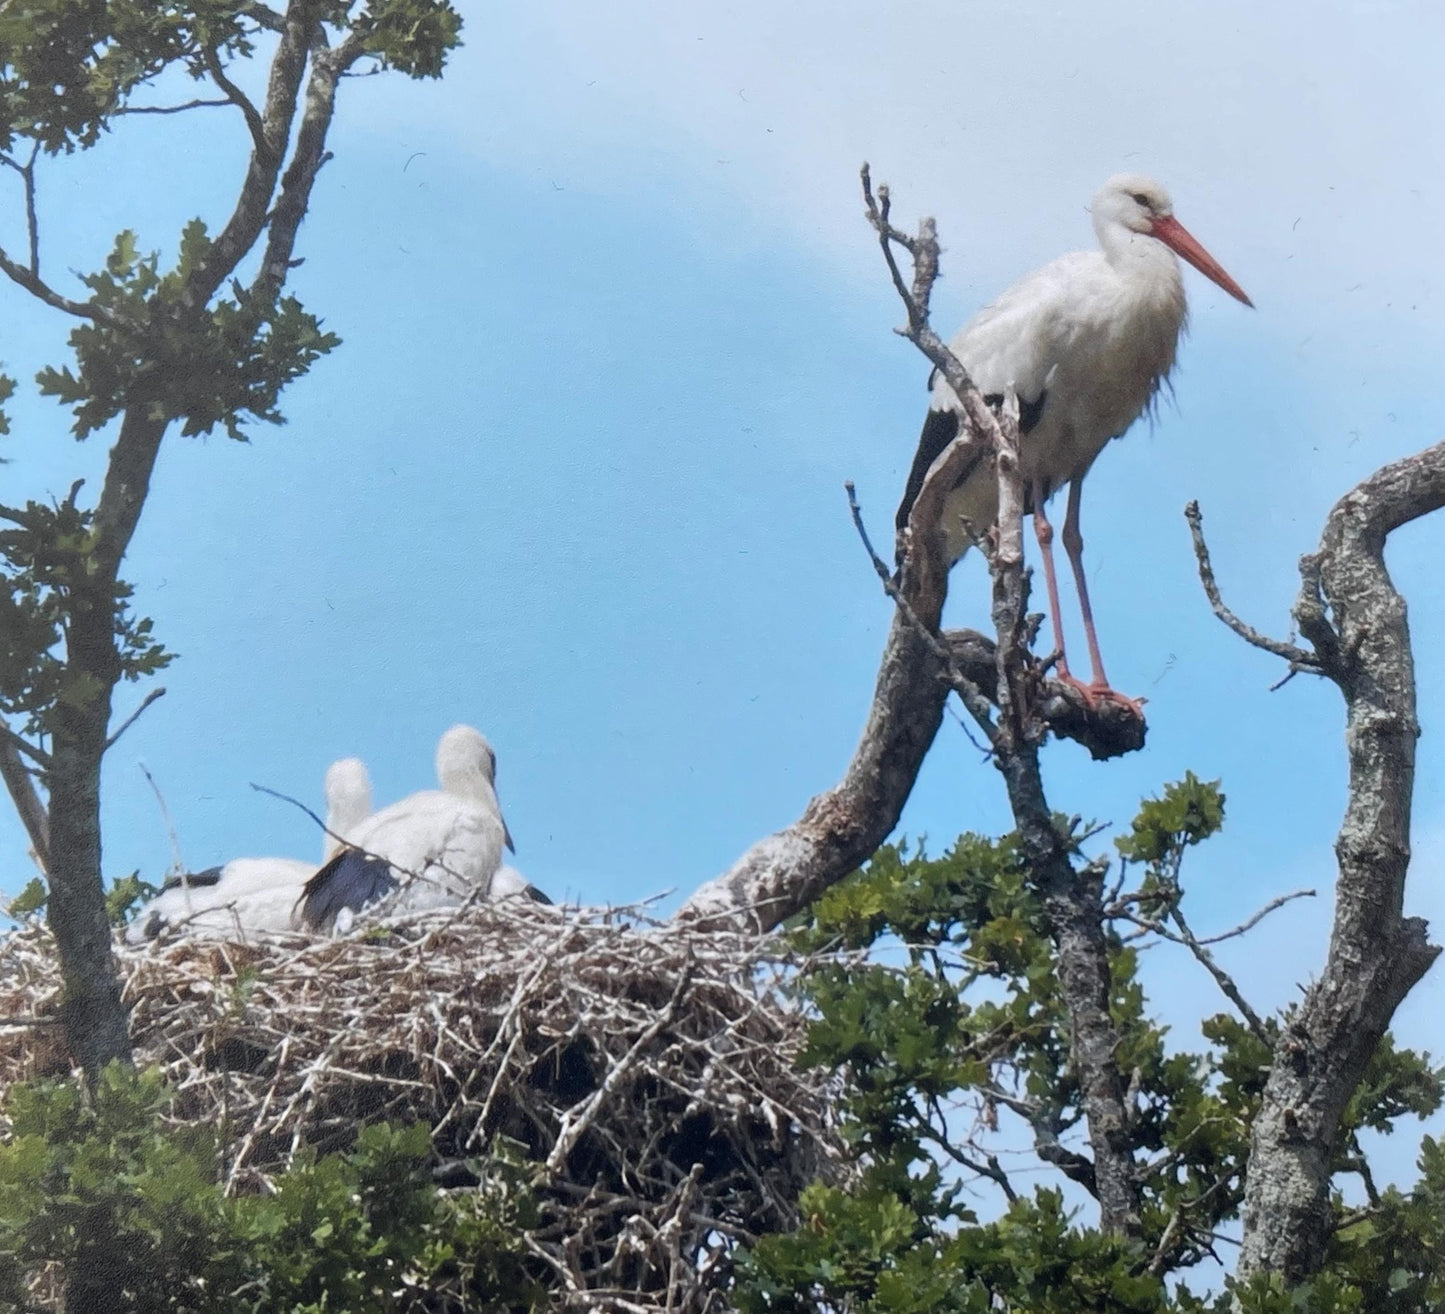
(942, 1008)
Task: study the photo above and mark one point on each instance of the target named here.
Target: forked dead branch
(1354, 619)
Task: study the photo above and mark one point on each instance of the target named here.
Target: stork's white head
(466, 764)
(1130, 205)
(348, 800)
(1132, 201)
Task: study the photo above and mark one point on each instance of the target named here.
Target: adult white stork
(433, 849)
(1085, 342)
(254, 895)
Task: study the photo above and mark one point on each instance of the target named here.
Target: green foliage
(204, 369)
(108, 1185)
(32, 898)
(412, 36)
(67, 66)
(941, 1007)
(1395, 1256)
(125, 896)
(867, 1252)
(1190, 811)
(49, 572)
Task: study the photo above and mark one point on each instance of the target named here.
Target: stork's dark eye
(1141, 198)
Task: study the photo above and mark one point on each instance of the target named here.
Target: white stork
(1085, 342)
(433, 849)
(251, 895)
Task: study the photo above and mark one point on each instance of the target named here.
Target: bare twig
(1162, 1254)
(1221, 977)
(177, 862)
(134, 716)
(972, 695)
(1251, 922)
(1297, 657)
(925, 251)
(32, 223)
(175, 109)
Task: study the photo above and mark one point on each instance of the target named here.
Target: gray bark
(840, 828)
(1351, 613)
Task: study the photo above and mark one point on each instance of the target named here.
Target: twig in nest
(178, 863)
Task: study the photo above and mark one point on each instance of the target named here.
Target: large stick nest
(647, 1070)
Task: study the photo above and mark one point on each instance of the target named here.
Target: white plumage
(253, 895)
(1085, 342)
(433, 849)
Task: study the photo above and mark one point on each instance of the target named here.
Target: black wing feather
(351, 880)
(193, 880)
(939, 429)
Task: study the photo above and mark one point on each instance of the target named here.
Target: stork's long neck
(467, 781)
(1143, 262)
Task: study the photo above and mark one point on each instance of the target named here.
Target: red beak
(1178, 239)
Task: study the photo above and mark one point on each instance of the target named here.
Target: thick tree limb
(23, 793)
(306, 161)
(1349, 609)
(248, 218)
(1073, 900)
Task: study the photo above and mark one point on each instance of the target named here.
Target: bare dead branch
(974, 699)
(1297, 657)
(1349, 609)
(176, 109)
(1221, 978)
(1251, 922)
(925, 251)
(134, 716)
(177, 862)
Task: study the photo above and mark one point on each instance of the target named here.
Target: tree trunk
(95, 1019)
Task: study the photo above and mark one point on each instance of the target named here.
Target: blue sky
(615, 334)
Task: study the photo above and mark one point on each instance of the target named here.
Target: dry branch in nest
(647, 1070)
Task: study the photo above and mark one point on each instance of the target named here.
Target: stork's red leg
(1045, 534)
(1074, 546)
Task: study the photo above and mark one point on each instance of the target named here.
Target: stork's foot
(1098, 692)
